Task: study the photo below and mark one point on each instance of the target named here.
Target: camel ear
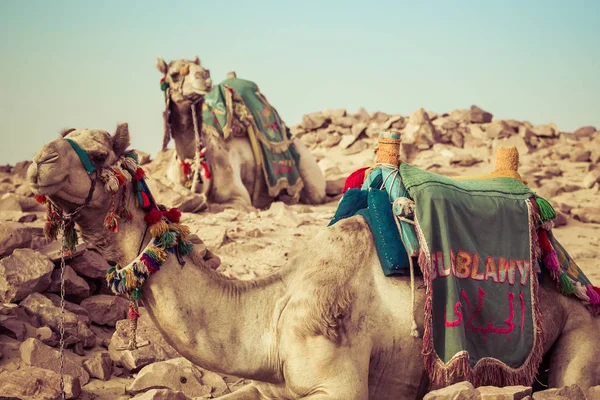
(196, 60)
(121, 139)
(161, 65)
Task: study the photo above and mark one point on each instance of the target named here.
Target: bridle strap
(83, 156)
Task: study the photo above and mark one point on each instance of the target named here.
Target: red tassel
(597, 289)
(145, 200)
(132, 314)
(206, 170)
(173, 215)
(40, 199)
(186, 168)
(544, 242)
(120, 177)
(153, 216)
(139, 174)
(355, 180)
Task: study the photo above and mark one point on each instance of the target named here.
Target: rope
(62, 317)
(414, 330)
(197, 167)
(133, 324)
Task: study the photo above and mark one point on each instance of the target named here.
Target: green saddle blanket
(236, 107)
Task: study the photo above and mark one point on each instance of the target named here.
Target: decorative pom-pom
(164, 86)
(136, 294)
(153, 216)
(566, 286)
(593, 295)
(546, 211)
(173, 215)
(185, 248)
(40, 199)
(139, 174)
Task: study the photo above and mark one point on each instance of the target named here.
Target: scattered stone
(47, 336)
(37, 383)
(565, 392)
(90, 264)
(591, 178)
(75, 285)
(545, 131)
(335, 186)
(178, 374)
(81, 312)
(45, 313)
(105, 309)
(458, 391)
(34, 353)
(587, 214)
(14, 235)
(594, 393)
(161, 394)
(581, 155)
(22, 273)
(499, 130)
(313, 121)
(99, 366)
(560, 220)
(478, 116)
(504, 393)
(9, 202)
(133, 360)
(584, 132)
(27, 218)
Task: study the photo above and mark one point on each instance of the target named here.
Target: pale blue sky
(91, 64)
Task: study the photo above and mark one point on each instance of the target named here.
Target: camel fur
(231, 162)
(327, 325)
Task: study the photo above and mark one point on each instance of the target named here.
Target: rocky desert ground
(561, 166)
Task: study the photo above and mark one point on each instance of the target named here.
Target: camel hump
(507, 159)
(231, 74)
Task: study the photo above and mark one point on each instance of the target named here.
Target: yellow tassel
(157, 229)
(183, 230)
(130, 279)
(161, 254)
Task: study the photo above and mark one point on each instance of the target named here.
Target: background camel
(232, 164)
(328, 325)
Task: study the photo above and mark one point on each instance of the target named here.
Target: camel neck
(182, 128)
(222, 325)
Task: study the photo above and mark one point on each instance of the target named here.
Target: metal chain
(62, 315)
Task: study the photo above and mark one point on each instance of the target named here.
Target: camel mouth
(46, 189)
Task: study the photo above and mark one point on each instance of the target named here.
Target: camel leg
(314, 181)
(576, 354)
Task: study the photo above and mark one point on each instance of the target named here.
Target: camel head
(58, 171)
(186, 80)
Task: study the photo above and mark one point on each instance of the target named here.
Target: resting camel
(327, 325)
(236, 178)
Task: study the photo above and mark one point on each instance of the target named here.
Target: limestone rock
(565, 392)
(14, 235)
(362, 115)
(591, 178)
(313, 121)
(161, 394)
(90, 264)
(9, 202)
(34, 353)
(338, 113)
(587, 214)
(499, 130)
(105, 309)
(460, 116)
(32, 383)
(81, 312)
(22, 273)
(45, 313)
(75, 285)
(478, 116)
(581, 155)
(133, 360)
(504, 393)
(594, 393)
(545, 131)
(47, 336)
(458, 391)
(99, 366)
(335, 186)
(177, 374)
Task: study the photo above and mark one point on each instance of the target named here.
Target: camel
(327, 325)
(235, 176)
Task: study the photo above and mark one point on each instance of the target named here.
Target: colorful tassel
(136, 294)
(546, 211)
(132, 314)
(40, 199)
(185, 248)
(168, 239)
(544, 241)
(111, 222)
(566, 286)
(145, 200)
(71, 238)
(593, 295)
(164, 85)
(186, 168)
(153, 216)
(158, 229)
(173, 215)
(139, 175)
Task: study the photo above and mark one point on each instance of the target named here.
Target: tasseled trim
(566, 286)
(546, 211)
(186, 168)
(153, 216)
(173, 215)
(593, 295)
(550, 259)
(40, 199)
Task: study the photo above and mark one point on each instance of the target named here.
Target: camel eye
(99, 158)
(175, 76)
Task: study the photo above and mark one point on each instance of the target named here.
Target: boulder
(362, 115)
(81, 312)
(587, 214)
(133, 360)
(75, 285)
(584, 132)
(479, 116)
(105, 309)
(546, 131)
(45, 313)
(9, 202)
(32, 383)
(335, 186)
(178, 374)
(14, 235)
(313, 121)
(34, 353)
(12, 321)
(581, 155)
(460, 116)
(99, 366)
(90, 264)
(458, 391)
(594, 393)
(591, 178)
(499, 130)
(22, 273)
(504, 393)
(565, 392)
